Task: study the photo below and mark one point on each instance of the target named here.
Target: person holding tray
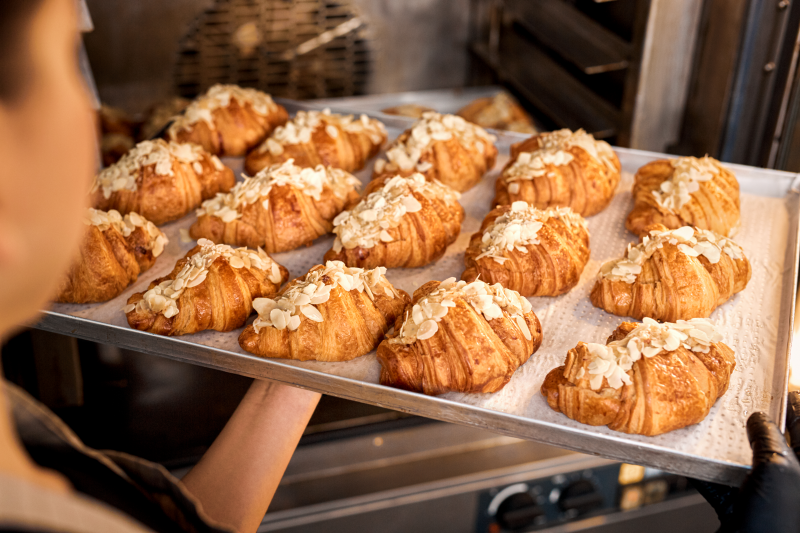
(49, 480)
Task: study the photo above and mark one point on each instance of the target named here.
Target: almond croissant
(333, 313)
(114, 251)
(648, 379)
(314, 138)
(212, 287)
(281, 208)
(686, 191)
(462, 337)
(161, 181)
(440, 147)
(673, 274)
(228, 120)
(500, 112)
(561, 168)
(406, 222)
(533, 252)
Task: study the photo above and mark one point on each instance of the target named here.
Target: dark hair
(15, 22)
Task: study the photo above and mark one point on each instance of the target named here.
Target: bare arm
(237, 477)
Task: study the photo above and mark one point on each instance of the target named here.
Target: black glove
(769, 498)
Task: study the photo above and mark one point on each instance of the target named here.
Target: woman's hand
(769, 498)
(237, 477)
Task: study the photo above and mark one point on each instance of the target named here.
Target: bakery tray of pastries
(615, 302)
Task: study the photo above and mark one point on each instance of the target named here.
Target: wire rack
(260, 43)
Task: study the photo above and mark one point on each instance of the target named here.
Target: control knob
(580, 497)
(518, 511)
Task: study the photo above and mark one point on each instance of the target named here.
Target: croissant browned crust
(686, 191)
(633, 385)
(534, 252)
(228, 120)
(407, 222)
(673, 275)
(459, 337)
(501, 112)
(281, 208)
(560, 168)
(314, 138)
(408, 110)
(161, 181)
(212, 287)
(446, 148)
(333, 313)
(114, 251)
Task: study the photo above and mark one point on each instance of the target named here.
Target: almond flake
(648, 339)
(302, 296)
(692, 242)
(367, 223)
(406, 155)
(492, 301)
(554, 151)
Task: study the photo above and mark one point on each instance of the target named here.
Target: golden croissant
(534, 252)
(161, 181)
(458, 336)
(686, 191)
(114, 251)
(500, 112)
(560, 169)
(672, 275)
(333, 313)
(440, 147)
(314, 138)
(228, 120)
(406, 222)
(647, 379)
(212, 287)
(281, 208)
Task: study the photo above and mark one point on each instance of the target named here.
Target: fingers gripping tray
(757, 323)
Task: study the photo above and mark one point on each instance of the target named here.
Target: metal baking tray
(205, 348)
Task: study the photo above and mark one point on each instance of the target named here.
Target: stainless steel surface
(617, 446)
(383, 471)
(444, 478)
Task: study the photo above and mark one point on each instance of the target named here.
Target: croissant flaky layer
(673, 285)
(668, 391)
(570, 178)
(418, 238)
(106, 265)
(349, 324)
(281, 208)
(714, 205)
(292, 220)
(221, 298)
(330, 143)
(228, 120)
(550, 266)
(467, 353)
(166, 181)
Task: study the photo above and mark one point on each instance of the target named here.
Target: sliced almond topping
(648, 339)
(492, 301)
(432, 127)
(303, 295)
